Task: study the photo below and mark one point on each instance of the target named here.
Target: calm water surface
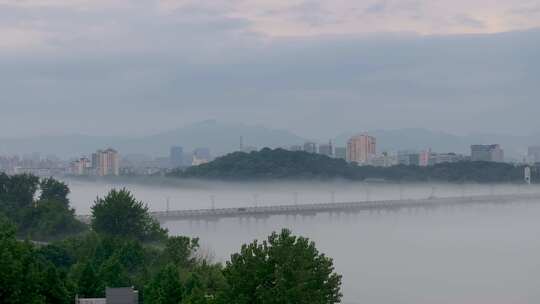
(475, 254)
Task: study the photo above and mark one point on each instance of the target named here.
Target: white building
(489, 153)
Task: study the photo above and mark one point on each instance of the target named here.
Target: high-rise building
(106, 162)
(202, 153)
(425, 158)
(310, 147)
(80, 166)
(361, 149)
(326, 149)
(489, 153)
(534, 154)
(176, 157)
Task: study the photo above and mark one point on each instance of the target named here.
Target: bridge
(215, 214)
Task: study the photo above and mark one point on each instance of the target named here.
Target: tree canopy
(282, 269)
(283, 164)
(126, 247)
(47, 217)
(120, 214)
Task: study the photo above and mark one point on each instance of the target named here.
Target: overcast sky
(317, 68)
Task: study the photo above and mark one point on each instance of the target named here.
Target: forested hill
(282, 164)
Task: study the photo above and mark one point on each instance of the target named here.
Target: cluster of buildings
(33, 164)
(109, 163)
(362, 150)
(102, 163)
(137, 164)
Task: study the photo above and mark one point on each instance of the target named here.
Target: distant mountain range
(222, 138)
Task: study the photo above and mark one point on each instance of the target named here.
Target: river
(473, 254)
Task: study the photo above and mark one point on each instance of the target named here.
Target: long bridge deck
(338, 207)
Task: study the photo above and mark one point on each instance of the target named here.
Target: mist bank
(280, 164)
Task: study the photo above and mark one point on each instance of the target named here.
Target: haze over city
(255, 152)
(315, 68)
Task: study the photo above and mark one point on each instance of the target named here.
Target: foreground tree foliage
(279, 164)
(48, 217)
(126, 247)
(25, 276)
(165, 287)
(120, 214)
(282, 269)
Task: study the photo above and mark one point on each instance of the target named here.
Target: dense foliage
(279, 164)
(26, 276)
(47, 217)
(120, 214)
(282, 269)
(126, 247)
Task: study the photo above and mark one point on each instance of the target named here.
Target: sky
(317, 68)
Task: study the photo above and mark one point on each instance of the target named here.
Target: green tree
(180, 251)
(17, 194)
(88, 283)
(25, 278)
(165, 287)
(120, 214)
(58, 255)
(52, 189)
(50, 219)
(46, 218)
(55, 289)
(282, 269)
(114, 274)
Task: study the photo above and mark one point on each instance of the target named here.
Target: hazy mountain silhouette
(222, 138)
(219, 137)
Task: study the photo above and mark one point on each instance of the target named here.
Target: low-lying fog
(474, 254)
(190, 194)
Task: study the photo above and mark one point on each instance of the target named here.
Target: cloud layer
(315, 67)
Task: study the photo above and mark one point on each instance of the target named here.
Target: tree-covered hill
(282, 164)
(269, 164)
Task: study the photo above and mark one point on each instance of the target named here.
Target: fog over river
(455, 254)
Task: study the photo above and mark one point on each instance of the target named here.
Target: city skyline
(361, 149)
(223, 138)
(269, 151)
